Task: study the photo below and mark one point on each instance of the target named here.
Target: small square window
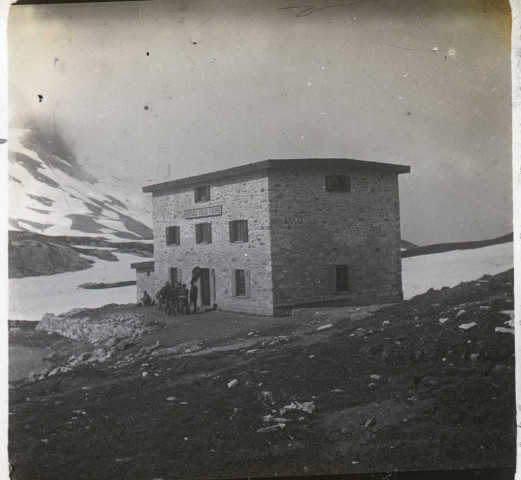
(203, 233)
(173, 236)
(202, 194)
(239, 231)
(338, 183)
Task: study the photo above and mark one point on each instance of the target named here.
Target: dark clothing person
(163, 295)
(182, 295)
(193, 297)
(146, 300)
(171, 304)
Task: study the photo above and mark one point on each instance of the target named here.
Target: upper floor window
(173, 236)
(338, 183)
(239, 231)
(203, 233)
(202, 194)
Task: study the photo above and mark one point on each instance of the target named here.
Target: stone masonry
(145, 279)
(312, 229)
(244, 197)
(297, 233)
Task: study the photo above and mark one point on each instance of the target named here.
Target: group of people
(177, 298)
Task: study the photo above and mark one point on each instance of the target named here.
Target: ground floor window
(241, 283)
(340, 278)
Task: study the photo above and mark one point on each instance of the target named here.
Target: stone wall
(242, 197)
(145, 282)
(88, 325)
(312, 229)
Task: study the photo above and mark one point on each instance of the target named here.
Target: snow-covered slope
(451, 268)
(51, 193)
(31, 297)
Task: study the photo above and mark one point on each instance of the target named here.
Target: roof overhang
(270, 165)
(142, 265)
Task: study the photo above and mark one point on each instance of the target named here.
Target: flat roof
(280, 164)
(138, 265)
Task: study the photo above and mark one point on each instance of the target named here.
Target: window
(203, 233)
(239, 231)
(202, 194)
(341, 278)
(173, 276)
(241, 283)
(338, 183)
(173, 236)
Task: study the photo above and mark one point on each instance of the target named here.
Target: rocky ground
(424, 384)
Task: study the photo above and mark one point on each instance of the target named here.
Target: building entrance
(206, 286)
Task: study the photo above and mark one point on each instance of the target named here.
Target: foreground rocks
(95, 325)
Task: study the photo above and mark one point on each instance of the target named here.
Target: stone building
(145, 279)
(281, 234)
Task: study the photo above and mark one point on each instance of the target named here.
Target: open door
(206, 287)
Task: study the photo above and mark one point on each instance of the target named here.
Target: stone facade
(313, 230)
(298, 233)
(244, 197)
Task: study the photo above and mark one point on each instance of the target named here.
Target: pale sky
(227, 83)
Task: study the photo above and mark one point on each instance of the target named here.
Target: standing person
(168, 301)
(163, 295)
(183, 298)
(178, 295)
(173, 300)
(193, 297)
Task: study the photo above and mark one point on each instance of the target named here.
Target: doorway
(205, 287)
(206, 283)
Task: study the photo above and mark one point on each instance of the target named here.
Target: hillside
(424, 384)
(50, 192)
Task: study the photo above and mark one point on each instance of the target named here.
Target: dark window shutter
(247, 284)
(332, 278)
(328, 184)
(245, 226)
(197, 234)
(209, 227)
(232, 232)
(234, 283)
(342, 278)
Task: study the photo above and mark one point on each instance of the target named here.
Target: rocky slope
(424, 384)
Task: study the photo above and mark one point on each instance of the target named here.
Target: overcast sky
(422, 83)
